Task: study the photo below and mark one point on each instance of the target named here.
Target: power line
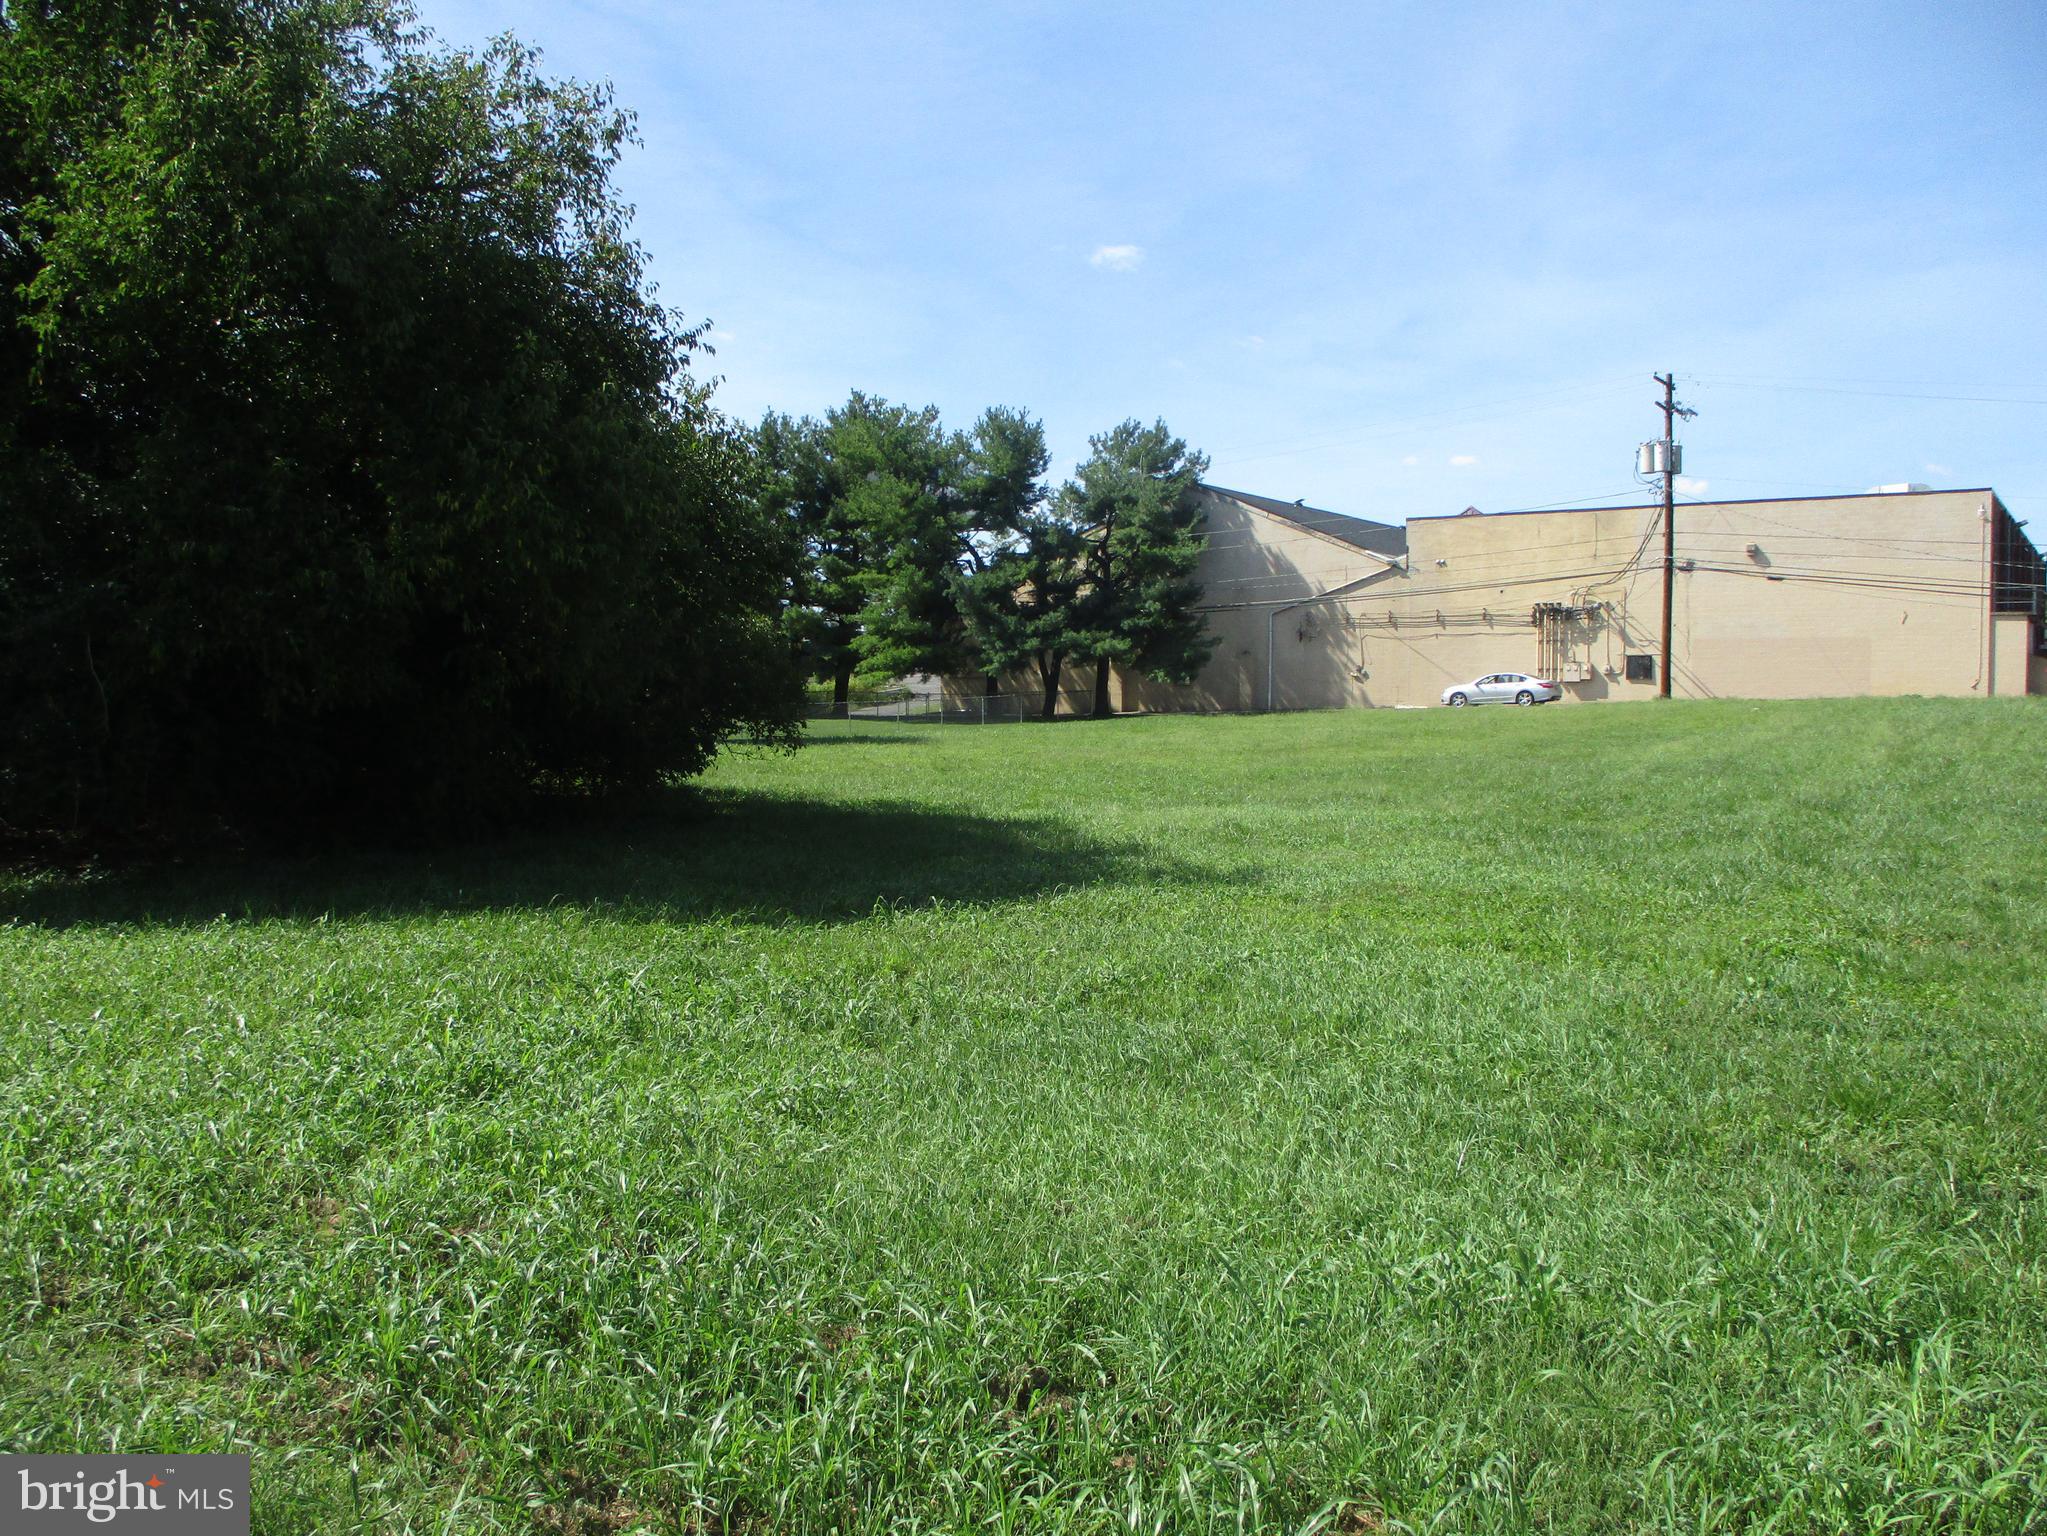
(1223, 539)
(1416, 594)
(1231, 537)
(1821, 378)
(1416, 598)
(1463, 563)
(1874, 394)
(1924, 593)
(1852, 545)
(1572, 395)
(1564, 392)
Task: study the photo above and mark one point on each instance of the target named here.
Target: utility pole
(1672, 413)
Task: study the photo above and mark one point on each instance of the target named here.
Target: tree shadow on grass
(685, 854)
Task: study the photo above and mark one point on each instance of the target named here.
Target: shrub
(351, 472)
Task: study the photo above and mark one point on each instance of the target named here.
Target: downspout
(1985, 623)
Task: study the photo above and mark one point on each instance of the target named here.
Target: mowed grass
(1620, 1118)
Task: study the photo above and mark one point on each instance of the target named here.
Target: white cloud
(1938, 469)
(1117, 258)
(1255, 343)
(1411, 460)
(1691, 487)
(1463, 460)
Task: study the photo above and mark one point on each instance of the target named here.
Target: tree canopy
(1105, 574)
(1021, 605)
(895, 514)
(350, 467)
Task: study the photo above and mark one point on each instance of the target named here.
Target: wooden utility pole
(1672, 411)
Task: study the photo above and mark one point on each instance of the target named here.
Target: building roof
(1379, 538)
(1742, 501)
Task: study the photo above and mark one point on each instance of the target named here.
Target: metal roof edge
(1742, 501)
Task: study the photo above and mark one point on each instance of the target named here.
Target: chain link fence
(899, 709)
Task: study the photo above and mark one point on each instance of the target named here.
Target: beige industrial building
(1901, 591)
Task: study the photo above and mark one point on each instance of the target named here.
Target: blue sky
(1393, 259)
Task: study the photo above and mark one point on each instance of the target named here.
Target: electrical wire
(1546, 579)
(1600, 579)
(1217, 541)
(1928, 597)
(1690, 541)
(1874, 394)
(1464, 562)
(1556, 400)
(1893, 580)
(1237, 537)
(1916, 551)
(1338, 520)
(1821, 378)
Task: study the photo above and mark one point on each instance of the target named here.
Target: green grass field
(1620, 1118)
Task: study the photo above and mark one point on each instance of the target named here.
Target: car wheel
(1458, 701)
(1524, 697)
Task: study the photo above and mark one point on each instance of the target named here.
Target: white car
(1503, 688)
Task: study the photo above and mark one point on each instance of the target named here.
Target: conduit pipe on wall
(1986, 620)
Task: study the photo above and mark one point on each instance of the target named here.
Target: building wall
(1800, 598)
(1252, 561)
(1774, 599)
(1076, 689)
(2011, 654)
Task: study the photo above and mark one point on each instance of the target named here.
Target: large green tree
(802, 494)
(1105, 574)
(894, 513)
(349, 466)
(1020, 605)
(901, 472)
(864, 491)
(1000, 491)
(1134, 499)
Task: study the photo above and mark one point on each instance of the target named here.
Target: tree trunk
(1048, 674)
(992, 689)
(1102, 710)
(842, 684)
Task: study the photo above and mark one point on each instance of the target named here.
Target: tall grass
(1581, 1119)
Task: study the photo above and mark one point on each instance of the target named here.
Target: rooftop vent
(1900, 488)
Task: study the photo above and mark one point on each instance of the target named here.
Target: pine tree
(896, 515)
(1020, 604)
(1105, 573)
(1133, 502)
(868, 491)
